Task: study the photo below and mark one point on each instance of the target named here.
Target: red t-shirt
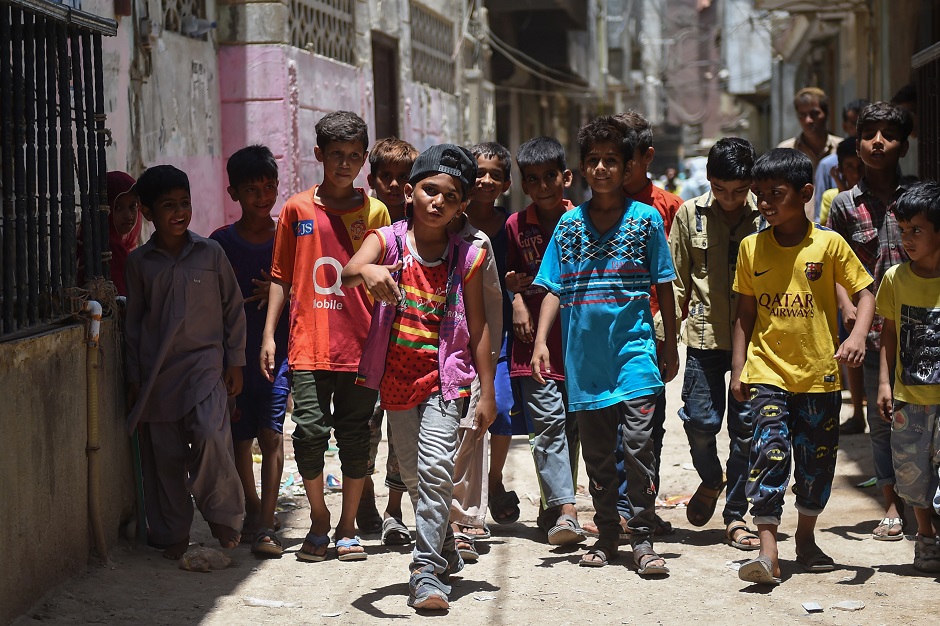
(668, 205)
(526, 244)
(328, 322)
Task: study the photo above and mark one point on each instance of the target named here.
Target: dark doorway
(385, 77)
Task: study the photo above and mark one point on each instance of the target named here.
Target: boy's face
(257, 198)
(491, 180)
(880, 146)
(779, 202)
(436, 200)
(812, 117)
(919, 237)
(730, 194)
(389, 182)
(852, 169)
(639, 165)
(342, 161)
(849, 124)
(171, 213)
(603, 167)
(545, 184)
(125, 211)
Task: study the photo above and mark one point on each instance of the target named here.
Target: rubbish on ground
(333, 614)
(202, 559)
(673, 502)
(735, 565)
(871, 482)
(849, 605)
(333, 483)
(271, 604)
(812, 607)
(484, 597)
(688, 467)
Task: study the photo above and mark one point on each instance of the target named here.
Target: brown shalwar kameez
(184, 316)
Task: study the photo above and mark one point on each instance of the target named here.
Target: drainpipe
(93, 308)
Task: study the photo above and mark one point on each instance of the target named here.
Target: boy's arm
(889, 346)
(852, 350)
(547, 314)
(522, 325)
(669, 356)
(362, 268)
(482, 356)
(277, 296)
(682, 261)
(847, 307)
(740, 338)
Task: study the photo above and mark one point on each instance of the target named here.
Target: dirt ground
(519, 578)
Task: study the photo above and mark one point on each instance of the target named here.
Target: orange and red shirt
(668, 205)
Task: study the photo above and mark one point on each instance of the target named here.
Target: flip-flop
(507, 500)
(603, 555)
(465, 548)
(475, 531)
(882, 531)
(816, 561)
(318, 541)
(736, 526)
(759, 571)
(346, 543)
(702, 504)
(267, 543)
(394, 532)
(566, 532)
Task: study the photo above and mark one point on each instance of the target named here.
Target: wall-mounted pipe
(92, 343)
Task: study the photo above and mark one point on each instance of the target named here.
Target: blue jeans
(705, 395)
(879, 430)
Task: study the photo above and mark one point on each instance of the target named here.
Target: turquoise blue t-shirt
(603, 282)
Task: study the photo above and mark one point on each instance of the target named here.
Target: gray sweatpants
(425, 439)
(192, 455)
(555, 442)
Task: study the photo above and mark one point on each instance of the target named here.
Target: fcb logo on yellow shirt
(814, 270)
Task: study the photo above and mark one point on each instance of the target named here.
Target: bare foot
(228, 537)
(176, 550)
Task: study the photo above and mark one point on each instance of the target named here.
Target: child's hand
(885, 402)
(380, 284)
(740, 391)
(131, 393)
(485, 415)
(539, 360)
(267, 359)
(260, 293)
(517, 283)
(836, 175)
(668, 355)
(233, 379)
(522, 321)
(849, 312)
(851, 352)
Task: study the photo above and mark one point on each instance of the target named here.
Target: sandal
(702, 504)
(645, 559)
(267, 543)
(737, 540)
(426, 591)
(475, 532)
(368, 519)
(499, 505)
(465, 548)
(883, 531)
(348, 543)
(598, 556)
(317, 541)
(927, 554)
(394, 532)
(759, 571)
(815, 560)
(566, 532)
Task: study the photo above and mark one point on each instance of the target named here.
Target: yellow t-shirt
(825, 204)
(796, 331)
(914, 305)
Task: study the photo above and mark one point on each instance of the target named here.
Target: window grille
(432, 49)
(326, 27)
(175, 10)
(926, 66)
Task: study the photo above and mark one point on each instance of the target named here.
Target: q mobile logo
(328, 281)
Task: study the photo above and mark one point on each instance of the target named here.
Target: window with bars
(326, 27)
(432, 49)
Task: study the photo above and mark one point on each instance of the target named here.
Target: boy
(909, 300)
(555, 443)
(826, 171)
(427, 341)
(185, 332)
(785, 336)
(259, 409)
(494, 165)
(612, 373)
(846, 175)
(704, 244)
(318, 232)
(390, 163)
(864, 216)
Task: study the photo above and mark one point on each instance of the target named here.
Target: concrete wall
(44, 491)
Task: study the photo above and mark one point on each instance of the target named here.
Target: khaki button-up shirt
(704, 249)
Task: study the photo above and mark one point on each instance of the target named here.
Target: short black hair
(493, 150)
(855, 105)
(606, 128)
(341, 126)
(886, 112)
(920, 197)
(638, 125)
(539, 151)
(158, 180)
(847, 148)
(786, 164)
(731, 158)
(250, 164)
